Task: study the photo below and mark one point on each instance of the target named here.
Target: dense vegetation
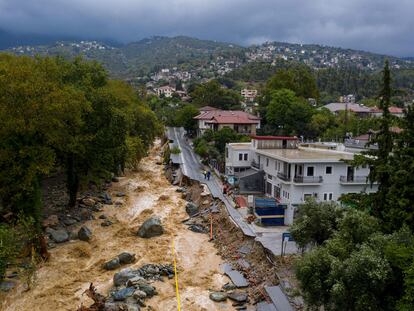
(362, 258)
(68, 116)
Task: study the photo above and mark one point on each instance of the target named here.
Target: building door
(276, 192)
(350, 173)
(268, 188)
(284, 144)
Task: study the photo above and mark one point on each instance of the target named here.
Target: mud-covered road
(74, 265)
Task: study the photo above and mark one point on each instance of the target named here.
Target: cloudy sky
(384, 26)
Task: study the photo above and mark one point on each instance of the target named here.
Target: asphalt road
(191, 167)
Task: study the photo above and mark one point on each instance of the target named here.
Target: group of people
(207, 174)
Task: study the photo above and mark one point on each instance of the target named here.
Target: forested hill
(142, 57)
(139, 59)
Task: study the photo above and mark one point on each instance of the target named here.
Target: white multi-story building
(292, 172)
(167, 91)
(249, 95)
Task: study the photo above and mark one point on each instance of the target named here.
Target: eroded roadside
(61, 282)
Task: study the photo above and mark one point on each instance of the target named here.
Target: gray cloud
(383, 26)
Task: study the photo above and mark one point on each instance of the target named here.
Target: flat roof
(302, 155)
(240, 145)
(274, 137)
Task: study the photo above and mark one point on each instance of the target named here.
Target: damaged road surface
(62, 281)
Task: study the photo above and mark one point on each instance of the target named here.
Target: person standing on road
(208, 175)
(205, 174)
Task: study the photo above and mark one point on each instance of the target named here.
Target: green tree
(289, 114)
(315, 223)
(185, 118)
(213, 94)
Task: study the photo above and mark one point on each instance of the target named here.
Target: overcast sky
(384, 26)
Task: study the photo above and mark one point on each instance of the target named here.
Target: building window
(245, 156)
(328, 170)
(327, 196)
(240, 156)
(269, 177)
(307, 196)
(267, 161)
(227, 153)
(276, 165)
(310, 171)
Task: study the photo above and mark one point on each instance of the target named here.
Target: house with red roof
(215, 119)
(395, 111)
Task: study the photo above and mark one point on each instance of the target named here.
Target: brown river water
(61, 281)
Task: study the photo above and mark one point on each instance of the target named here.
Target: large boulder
(123, 276)
(59, 235)
(84, 233)
(150, 228)
(218, 296)
(126, 258)
(112, 264)
(238, 296)
(191, 208)
(123, 294)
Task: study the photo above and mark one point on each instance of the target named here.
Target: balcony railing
(353, 179)
(308, 179)
(257, 165)
(283, 176)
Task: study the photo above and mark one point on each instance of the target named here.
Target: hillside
(204, 58)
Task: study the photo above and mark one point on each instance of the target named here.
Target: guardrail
(308, 179)
(353, 179)
(283, 176)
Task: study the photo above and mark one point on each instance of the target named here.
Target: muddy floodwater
(60, 282)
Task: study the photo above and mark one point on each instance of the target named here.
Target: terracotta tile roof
(227, 117)
(392, 109)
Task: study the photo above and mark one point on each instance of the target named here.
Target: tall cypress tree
(380, 168)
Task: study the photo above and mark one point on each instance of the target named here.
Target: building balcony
(353, 179)
(308, 179)
(283, 176)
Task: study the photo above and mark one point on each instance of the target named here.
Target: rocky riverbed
(62, 281)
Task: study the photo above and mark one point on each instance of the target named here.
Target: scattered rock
(218, 296)
(229, 286)
(51, 221)
(112, 264)
(123, 294)
(126, 258)
(88, 202)
(139, 294)
(120, 194)
(103, 216)
(197, 228)
(84, 233)
(191, 208)
(180, 190)
(115, 179)
(150, 228)
(135, 281)
(238, 296)
(73, 235)
(149, 290)
(69, 221)
(106, 223)
(105, 198)
(6, 286)
(59, 236)
(206, 202)
(85, 214)
(123, 276)
(118, 203)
